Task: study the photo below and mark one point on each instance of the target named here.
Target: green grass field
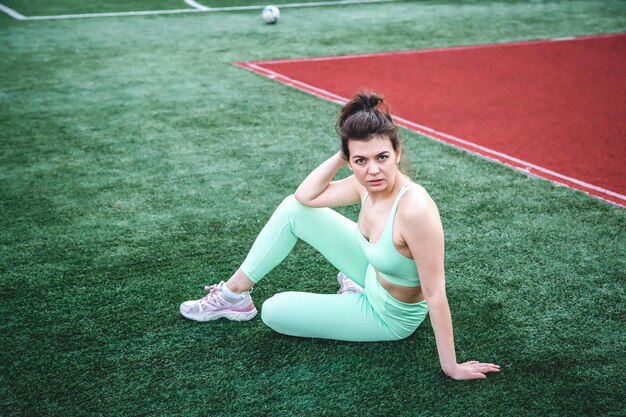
(137, 164)
(64, 7)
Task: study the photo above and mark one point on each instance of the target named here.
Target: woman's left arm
(423, 233)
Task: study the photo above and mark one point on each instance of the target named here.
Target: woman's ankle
(231, 292)
(239, 282)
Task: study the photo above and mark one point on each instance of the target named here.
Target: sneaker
(347, 286)
(215, 305)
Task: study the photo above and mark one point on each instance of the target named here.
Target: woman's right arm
(318, 189)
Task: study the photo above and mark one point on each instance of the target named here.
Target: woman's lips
(375, 182)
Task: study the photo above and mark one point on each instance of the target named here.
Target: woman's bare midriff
(401, 293)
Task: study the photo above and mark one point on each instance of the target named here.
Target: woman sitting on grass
(394, 254)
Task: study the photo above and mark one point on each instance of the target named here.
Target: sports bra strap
(403, 190)
(394, 207)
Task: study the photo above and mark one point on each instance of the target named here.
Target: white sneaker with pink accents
(216, 304)
(347, 286)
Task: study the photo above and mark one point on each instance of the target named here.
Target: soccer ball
(270, 14)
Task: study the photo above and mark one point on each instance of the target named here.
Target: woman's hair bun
(364, 117)
(368, 101)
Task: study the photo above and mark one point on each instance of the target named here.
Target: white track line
(450, 140)
(11, 12)
(528, 165)
(196, 5)
(197, 8)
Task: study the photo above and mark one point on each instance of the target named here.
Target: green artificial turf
(137, 163)
(64, 7)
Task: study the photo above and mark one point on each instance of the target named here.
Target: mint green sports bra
(383, 255)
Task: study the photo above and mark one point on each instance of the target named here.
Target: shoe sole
(230, 315)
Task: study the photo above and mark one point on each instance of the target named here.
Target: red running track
(554, 108)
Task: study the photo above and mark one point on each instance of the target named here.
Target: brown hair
(365, 117)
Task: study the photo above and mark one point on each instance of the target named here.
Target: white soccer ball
(270, 14)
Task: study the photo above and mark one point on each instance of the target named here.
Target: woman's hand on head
(473, 370)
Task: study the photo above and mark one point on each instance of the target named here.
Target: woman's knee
(273, 311)
(291, 205)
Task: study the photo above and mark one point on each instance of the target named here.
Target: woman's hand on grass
(473, 370)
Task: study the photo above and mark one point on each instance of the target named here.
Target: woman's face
(374, 162)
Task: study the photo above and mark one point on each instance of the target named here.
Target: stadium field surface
(83, 10)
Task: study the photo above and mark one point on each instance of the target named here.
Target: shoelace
(211, 298)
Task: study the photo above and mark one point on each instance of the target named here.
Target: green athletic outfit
(371, 316)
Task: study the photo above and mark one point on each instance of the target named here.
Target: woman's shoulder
(416, 204)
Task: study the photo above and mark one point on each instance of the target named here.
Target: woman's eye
(383, 157)
(359, 161)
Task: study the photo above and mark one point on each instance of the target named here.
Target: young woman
(394, 255)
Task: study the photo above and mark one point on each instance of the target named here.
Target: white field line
(196, 5)
(197, 8)
(449, 140)
(299, 84)
(111, 14)
(301, 5)
(11, 12)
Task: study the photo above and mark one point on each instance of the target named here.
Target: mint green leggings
(372, 316)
